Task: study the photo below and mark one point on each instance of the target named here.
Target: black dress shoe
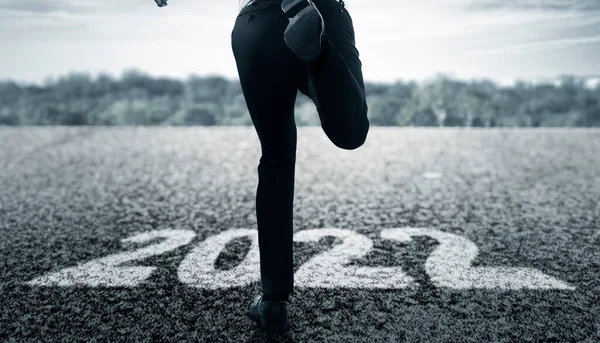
(305, 28)
(272, 315)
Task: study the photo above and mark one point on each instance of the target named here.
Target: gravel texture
(527, 198)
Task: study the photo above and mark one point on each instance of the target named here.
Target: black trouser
(270, 76)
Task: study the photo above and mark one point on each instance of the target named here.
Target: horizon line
(593, 79)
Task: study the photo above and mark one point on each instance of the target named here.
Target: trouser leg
(335, 82)
(268, 75)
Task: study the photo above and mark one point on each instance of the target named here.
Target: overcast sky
(397, 39)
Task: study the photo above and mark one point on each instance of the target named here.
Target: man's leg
(268, 75)
(335, 82)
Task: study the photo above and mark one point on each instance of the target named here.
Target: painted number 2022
(449, 265)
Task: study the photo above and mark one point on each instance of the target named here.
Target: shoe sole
(273, 325)
(303, 35)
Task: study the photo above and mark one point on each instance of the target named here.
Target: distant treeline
(139, 99)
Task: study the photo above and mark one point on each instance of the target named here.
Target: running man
(280, 47)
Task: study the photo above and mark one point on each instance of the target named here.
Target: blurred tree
(139, 99)
(10, 93)
(201, 115)
(437, 96)
(387, 110)
(208, 89)
(375, 89)
(474, 101)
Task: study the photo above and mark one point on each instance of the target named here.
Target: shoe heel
(302, 35)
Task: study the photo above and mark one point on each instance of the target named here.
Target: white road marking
(197, 269)
(432, 175)
(328, 269)
(106, 271)
(449, 265)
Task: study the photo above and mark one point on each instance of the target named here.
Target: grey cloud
(551, 5)
(561, 43)
(70, 6)
(38, 6)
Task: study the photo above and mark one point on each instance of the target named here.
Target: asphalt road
(450, 235)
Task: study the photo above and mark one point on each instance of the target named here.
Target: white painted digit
(106, 271)
(328, 269)
(449, 265)
(197, 269)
